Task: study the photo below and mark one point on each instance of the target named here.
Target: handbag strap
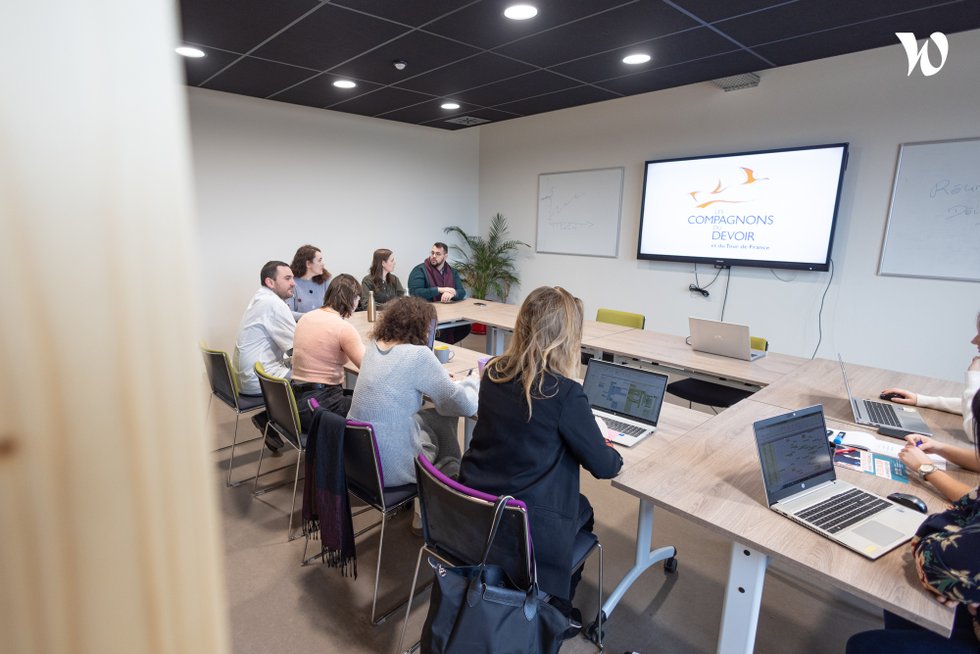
(498, 514)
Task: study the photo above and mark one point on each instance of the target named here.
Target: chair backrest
(759, 343)
(456, 520)
(220, 375)
(280, 403)
(624, 318)
(362, 463)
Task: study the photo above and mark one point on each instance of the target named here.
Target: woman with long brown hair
(312, 280)
(380, 280)
(536, 429)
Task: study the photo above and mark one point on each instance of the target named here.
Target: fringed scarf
(436, 278)
(326, 506)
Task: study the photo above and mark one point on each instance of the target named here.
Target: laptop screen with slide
(633, 394)
(793, 452)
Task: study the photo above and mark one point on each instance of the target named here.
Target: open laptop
(801, 484)
(726, 339)
(627, 399)
(889, 419)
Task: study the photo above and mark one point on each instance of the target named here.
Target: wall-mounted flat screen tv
(769, 209)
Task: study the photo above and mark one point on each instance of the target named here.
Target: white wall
(271, 176)
(915, 325)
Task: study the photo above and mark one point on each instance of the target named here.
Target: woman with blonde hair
(536, 429)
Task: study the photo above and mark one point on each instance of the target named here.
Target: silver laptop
(889, 420)
(627, 399)
(798, 473)
(726, 339)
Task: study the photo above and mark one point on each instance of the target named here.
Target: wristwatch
(925, 470)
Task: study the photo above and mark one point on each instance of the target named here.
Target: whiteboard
(579, 212)
(933, 226)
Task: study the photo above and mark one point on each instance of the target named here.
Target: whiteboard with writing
(934, 222)
(579, 212)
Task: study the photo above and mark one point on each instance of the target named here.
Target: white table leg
(743, 596)
(644, 558)
(495, 341)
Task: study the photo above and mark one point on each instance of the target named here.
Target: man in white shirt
(265, 334)
(266, 330)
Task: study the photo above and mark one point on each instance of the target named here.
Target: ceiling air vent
(467, 120)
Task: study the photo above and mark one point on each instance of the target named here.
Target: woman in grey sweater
(396, 372)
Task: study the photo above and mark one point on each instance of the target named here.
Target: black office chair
(455, 522)
(698, 391)
(284, 419)
(224, 386)
(365, 481)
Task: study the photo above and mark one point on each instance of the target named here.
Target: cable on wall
(696, 287)
(724, 300)
(820, 312)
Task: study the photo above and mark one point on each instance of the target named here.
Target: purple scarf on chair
(436, 278)
(326, 506)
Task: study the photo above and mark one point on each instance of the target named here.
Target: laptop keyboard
(882, 414)
(624, 427)
(843, 510)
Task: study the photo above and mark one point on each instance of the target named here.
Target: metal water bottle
(371, 308)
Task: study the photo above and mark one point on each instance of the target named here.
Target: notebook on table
(627, 399)
(883, 415)
(801, 484)
(725, 339)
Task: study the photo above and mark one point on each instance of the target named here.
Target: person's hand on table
(912, 456)
(903, 396)
(446, 297)
(925, 444)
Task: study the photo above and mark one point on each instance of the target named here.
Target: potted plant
(487, 264)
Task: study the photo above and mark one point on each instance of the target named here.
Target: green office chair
(614, 317)
(624, 318)
(697, 391)
(224, 386)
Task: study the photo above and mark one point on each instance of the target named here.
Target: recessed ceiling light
(520, 12)
(636, 59)
(450, 105)
(344, 84)
(187, 51)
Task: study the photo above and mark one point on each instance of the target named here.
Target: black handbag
(476, 610)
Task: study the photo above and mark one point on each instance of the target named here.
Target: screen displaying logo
(921, 56)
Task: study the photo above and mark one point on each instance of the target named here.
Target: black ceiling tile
(871, 35)
(535, 83)
(257, 77)
(327, 37)
(237, 25)
(490, 115)
(380, 101)
(633, 23)
(422, 52)
(484, 24)
(416, 12)
(198, 70)
(476, 71)
(665, 51)
(812, 16)
(732, 63)
(560, 100)
(320, 92)
(712, 10)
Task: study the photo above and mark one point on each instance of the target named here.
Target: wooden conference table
(711, 476)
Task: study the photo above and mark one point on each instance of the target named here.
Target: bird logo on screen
(728, 194)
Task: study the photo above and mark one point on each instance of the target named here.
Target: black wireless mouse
(908, 501)
(890, 396)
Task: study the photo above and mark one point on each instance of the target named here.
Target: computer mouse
(909, 501)
(890, 396)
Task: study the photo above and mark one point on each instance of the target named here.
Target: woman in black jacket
(536, 429)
